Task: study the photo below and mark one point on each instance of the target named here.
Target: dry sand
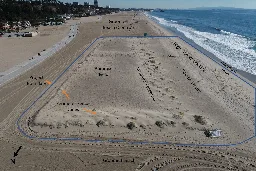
(15, 50)
(225, 102)
(144, 86)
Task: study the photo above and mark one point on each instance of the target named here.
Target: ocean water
(228, 34)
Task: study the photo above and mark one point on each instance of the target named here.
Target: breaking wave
(234, 49)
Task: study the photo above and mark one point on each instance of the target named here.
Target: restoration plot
(154, 89)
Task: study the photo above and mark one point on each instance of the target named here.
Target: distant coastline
(218, 8)
(205, 8)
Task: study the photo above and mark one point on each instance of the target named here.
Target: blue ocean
(228, 34)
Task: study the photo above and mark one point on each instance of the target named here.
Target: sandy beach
(131, 89)
(136, 80)
(15, 50)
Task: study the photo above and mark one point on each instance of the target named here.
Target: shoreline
(247, 76)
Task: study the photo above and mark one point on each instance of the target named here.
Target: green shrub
(171, 123)
(207, 133)
(160, 124)
(200, 119)
(185, 124)
(130, 125)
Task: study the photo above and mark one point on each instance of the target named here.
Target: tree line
(34, 11)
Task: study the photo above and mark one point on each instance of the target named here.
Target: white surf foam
(233, 49)
(174, 21)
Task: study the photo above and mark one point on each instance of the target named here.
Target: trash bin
(145, 34)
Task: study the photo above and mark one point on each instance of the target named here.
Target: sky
(166, 4)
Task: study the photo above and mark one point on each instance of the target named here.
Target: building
(86, 3)
(96, 3)
(108, 6)
(75, 3)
